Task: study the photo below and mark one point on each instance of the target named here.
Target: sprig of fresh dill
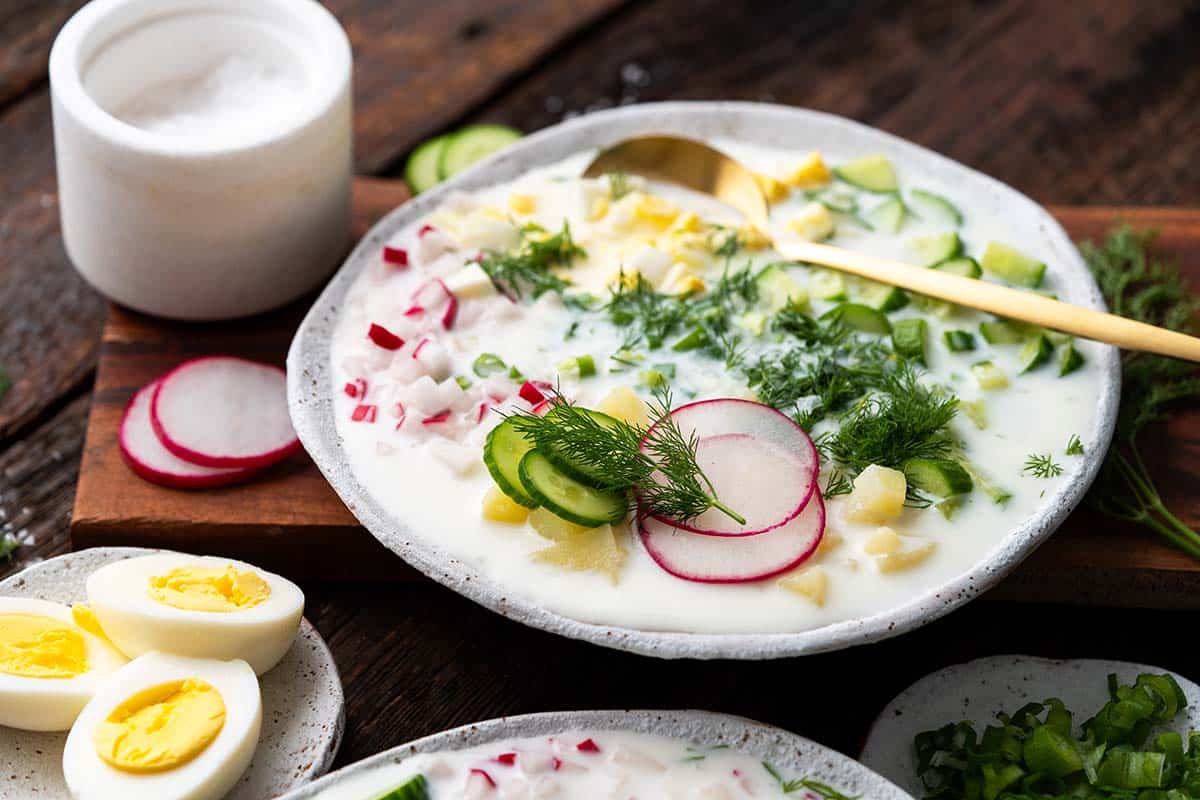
(656, 464)
(789, 785)
(1074, 446)
(527, 267)
(1137, 284)
(1041, 465)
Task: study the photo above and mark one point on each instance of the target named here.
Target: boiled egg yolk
(162, 727)
(196, 588)
(34, 646)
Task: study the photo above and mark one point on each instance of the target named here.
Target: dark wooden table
(1075, 102)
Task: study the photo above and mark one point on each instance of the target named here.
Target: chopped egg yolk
(34, 646)
(209, 589)
(162, 727)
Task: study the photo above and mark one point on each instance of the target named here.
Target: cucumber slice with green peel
(908, 339)
(1057, 337)
(777, 289)
(1012, 266)
(502, 454)
(415, 788)
(1069, 359)
(887, 217)
(885, 298)
(873, 173)
(860, 318)
(934, 208)
(473, 143)
(1002, 331)
(421, 169)
(826, 285)
(940, 477)
(976, 411)
(959, 341)
(989, 375)
(961, 265)
(839, 201)
(1034, 353)
(936, 248)
(566, 497)
(584, 473)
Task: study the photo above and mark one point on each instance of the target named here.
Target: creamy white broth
(621, 765)
(436, 483)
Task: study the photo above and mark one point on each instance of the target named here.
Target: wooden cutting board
(291, 521)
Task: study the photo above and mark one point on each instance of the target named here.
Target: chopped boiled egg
(813, 223)
(878, 495)
(522, 203)
(752, 238)
(774, 190)
(811, 171)
(598, 210)
(680, 280)
(470, 282)
(654, 210)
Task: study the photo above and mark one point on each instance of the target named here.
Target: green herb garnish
(788, 786)
(1074, 446)
(1041, 465)
(8, 545)
(527, 267)
(619, 185)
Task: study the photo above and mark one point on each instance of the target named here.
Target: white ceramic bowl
(792, 754)
(214, 225)
(311, 389)
(303, 714)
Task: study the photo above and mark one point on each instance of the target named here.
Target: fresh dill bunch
(527, 267)
(1074, 446)
(1041, 465)
(1138, 285)
(653, 316)
(619, 185)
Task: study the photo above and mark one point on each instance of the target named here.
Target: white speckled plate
(792, 754)
(311, 389)
(975, 691)
(303, 716)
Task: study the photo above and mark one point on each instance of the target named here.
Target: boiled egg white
(49, 666)
(165, 727)
(196, 606)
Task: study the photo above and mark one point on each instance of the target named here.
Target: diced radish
(414, 311)
(222, 411)
(401, 414)
(397, 256)
(384, 338)
(507, 759)
(451, 312)
(431, 243)
(437, 419)
(483, 775)
(542, 408)
(481, 414)
(760, 462)
(356, 388)
(531, 393)
(425, 229)
(588, 746)
(149, 459)
(416, 353)
(735, 559)
(429, 293)
(364, 413)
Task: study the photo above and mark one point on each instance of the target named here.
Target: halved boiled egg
(165, 727)
(49, 666)
(196, 606)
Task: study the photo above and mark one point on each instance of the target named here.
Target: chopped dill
(527, 267)
(572, 329)
(837, 483)
(619, 185)
(823, 790)
(724, 242)
(1074, 446)
(1041, 466)
(653, 316)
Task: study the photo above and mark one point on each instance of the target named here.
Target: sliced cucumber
(777, 289)
(887, 217)
(584, 473)
(908, 339)
(421, 169)
(826, 285)
(882, 296)
(1037, 351)
(934, 208)
(873, 173)
(1002, 331)
(976, 411)
(471, 144)
(959, 341)
(989, 375)
(502, 454)
(488, 364)
(860, 318)
(415, 788)
(1069, 359)
(1012, 265)
(837, 200)
(940, 477)
(566, 497)
(962, 265)
(936, 248)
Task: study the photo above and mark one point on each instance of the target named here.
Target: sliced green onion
(487, 364)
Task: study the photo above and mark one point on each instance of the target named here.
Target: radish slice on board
(760, 462)
(147, 457)
(735, 559)
(222, 411)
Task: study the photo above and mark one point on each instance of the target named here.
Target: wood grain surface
(1074, 103)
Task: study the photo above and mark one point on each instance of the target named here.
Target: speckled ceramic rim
(792, 754)
(310, 385)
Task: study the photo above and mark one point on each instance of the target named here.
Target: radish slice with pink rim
(735, 559)
(760, 462)
(149, 459)
(222, 411)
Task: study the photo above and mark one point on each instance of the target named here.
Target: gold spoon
(697, 166)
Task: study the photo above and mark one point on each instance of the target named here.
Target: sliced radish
(735, 559)
(222, 411)
(147, 457)
(760, 462)
(384, 338)
(437, 419)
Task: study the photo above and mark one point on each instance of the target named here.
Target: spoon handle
(1000, 300)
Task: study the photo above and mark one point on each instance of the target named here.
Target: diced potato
(911, 553)
(812, 583)
(599, 209)
(811, 171)
(499, 507)
(522, 203)
(552, 527)
(774, 190)
(471, 282)
(813, 223)
(582, 549)
(884, 541)
(655, 210)
(829, 541)
(624, 404)
(878, 495)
